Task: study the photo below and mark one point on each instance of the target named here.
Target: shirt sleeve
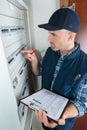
(81, 99)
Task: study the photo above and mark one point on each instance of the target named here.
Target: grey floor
(36, 124)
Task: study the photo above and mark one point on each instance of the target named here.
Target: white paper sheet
(53, 104)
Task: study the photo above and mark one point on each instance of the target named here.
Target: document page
(53, 104)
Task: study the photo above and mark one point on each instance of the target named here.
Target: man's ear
(71, 36)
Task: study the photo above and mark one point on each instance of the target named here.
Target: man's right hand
(31, 56)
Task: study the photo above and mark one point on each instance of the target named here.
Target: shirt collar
(71, 52)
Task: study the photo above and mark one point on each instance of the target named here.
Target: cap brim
(49, 27)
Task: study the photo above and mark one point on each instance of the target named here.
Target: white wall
(40, 12)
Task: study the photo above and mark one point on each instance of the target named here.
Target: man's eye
(53, 34)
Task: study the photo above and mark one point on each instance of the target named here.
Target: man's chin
(54, 49)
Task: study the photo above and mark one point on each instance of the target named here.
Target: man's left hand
(41, 115)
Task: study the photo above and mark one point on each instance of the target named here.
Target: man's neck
(66, 51)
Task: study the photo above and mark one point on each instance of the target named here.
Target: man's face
(58, 39)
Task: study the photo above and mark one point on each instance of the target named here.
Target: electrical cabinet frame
(14, 36)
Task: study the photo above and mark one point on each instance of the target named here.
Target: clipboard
(53, 104)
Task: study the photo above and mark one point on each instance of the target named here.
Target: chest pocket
(70, 87)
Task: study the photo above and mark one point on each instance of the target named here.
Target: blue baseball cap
(63, 18)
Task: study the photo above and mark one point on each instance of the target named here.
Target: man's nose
(50, 39)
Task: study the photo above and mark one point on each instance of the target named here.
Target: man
(63, 68)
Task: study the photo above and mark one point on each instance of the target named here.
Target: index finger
(26, 51)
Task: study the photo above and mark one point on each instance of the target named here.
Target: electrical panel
(14, 38)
